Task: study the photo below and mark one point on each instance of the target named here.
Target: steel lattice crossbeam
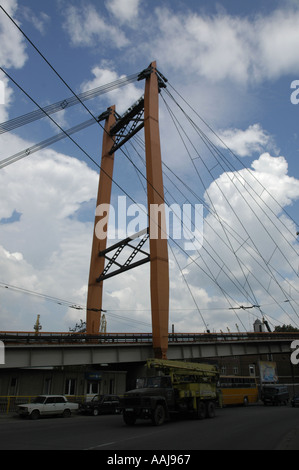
(118, 248)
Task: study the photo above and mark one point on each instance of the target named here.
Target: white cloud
(251, 202)
(124, 11)
(39, 21)
(13, 49)
(246, 246)
(245, 143)
(86, 27)
(7, 98)
(47, 249)
(222, 47)
(122, 97)
(278, 41)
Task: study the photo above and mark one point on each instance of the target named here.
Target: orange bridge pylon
(119, 130)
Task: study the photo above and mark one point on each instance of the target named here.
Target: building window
(236, 370)
(93, 387)
(47, 386)
(70, 387)
(13, 386)
(223, 370)
(111, 386)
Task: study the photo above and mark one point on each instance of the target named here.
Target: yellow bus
(238, 390)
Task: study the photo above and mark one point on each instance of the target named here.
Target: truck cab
(152, 399)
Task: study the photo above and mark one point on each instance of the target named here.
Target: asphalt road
(250, 428)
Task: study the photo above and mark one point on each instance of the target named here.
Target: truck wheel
(129, 418)
(201, 412)
(95, 412)
(159, 415)
(211, 410)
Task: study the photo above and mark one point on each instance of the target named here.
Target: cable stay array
(244, 262)
(281, 228)
(65, 103)
(248, 245)
(45, 143)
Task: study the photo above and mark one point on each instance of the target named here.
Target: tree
(79, 327)
(285, 329)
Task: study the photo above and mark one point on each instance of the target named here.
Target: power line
(111, 312)
(66, 303)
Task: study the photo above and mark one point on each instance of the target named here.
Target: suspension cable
(64, 103)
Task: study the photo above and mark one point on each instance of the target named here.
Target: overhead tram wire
(76, 306)
(66, 303)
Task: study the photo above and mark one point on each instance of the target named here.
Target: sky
(229, 138)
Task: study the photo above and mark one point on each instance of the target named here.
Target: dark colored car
(295, 401)
(101, 404)
(275, 395)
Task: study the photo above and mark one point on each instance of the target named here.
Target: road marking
(100, 445)
(125, 440)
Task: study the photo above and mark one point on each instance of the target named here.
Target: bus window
(238, 390)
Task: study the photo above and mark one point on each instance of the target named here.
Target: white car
(48, 405)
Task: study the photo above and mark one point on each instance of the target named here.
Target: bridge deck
(62, 349)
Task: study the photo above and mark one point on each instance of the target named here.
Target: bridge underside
(19, 356)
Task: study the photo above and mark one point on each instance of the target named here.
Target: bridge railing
(9, 337)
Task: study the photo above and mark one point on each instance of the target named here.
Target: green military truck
(175, 388)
